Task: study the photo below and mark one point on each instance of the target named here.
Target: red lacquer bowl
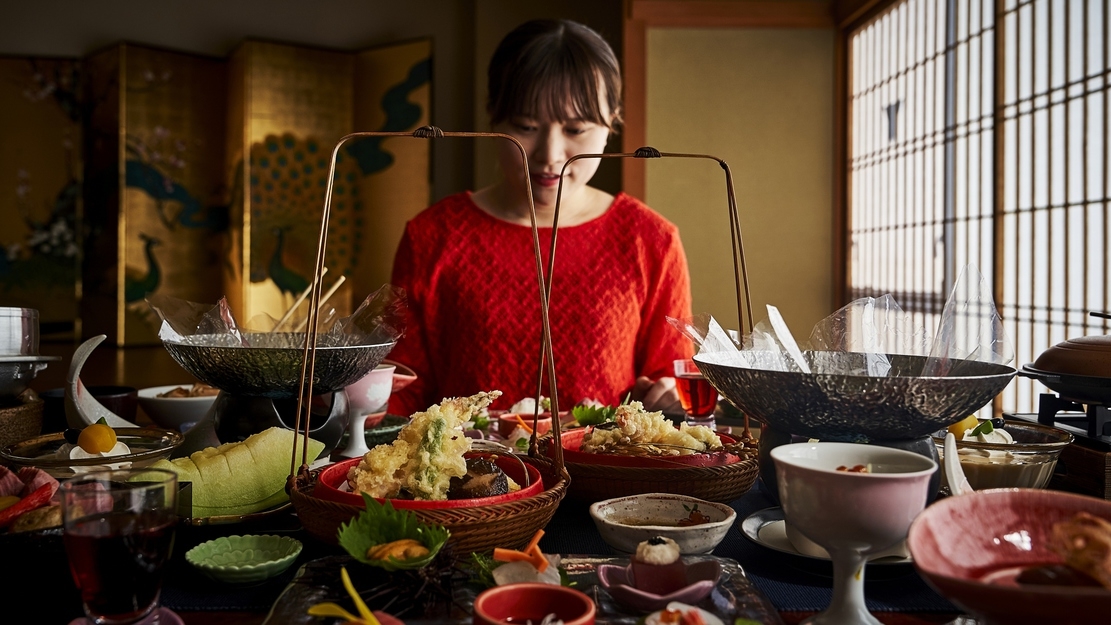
(507, 422)
(335, 476)
(970, 547)
(519, 603)
(573, 440)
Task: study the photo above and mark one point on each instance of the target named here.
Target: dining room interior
(925, 181)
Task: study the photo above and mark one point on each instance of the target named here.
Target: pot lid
(1085, 355)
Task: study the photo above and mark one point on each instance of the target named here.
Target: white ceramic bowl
(625, 522)
(173, 413)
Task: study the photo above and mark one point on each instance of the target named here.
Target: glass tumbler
(696, 394)
(118, 534)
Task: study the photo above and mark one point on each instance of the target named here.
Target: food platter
(572, 442)
(230, 519)
(148, 445)
(733, 597)
(333, 479)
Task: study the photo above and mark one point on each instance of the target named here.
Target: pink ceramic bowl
(958, 543)
(834, 508)
(702, 576)
(518, 603)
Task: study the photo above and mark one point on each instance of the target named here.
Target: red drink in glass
(119, 532)
(696, 395)
(117, 560)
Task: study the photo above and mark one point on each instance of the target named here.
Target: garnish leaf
(481, 421)
(382, 523)
(593, 415)
(984, 428)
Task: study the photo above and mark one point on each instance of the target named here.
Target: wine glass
(853, 500)
(118, 533)
(697, 396)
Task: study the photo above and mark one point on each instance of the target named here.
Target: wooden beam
(733, 13)
(848, 12)
(634, 134)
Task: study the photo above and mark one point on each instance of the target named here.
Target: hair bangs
(565, 94)
(555, 71)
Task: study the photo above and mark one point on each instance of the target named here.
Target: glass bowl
(148, 445)
(1027, 463)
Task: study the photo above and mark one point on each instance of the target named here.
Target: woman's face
(548, 146)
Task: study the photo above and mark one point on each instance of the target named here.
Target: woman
(467, 263)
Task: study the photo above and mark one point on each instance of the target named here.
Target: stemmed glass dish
(118, 533)
(853, 500)
(697, 396)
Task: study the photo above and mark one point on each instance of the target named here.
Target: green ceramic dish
(386, 431)
(244, 559)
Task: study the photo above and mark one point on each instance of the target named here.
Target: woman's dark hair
(545, 65)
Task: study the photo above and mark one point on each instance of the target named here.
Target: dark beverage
(696, 394)
(116, 560)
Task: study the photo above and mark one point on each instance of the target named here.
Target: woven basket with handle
(479, 528)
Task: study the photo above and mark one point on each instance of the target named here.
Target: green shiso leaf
(382, 523)
(593, 415)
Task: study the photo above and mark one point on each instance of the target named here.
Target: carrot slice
(531, 554)
(535, 540)
(523, 424)
(510, 555)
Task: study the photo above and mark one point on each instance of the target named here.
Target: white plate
(29, 358)
(766, 528)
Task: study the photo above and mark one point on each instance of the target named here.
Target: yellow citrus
(97, 439)
(958, 429)
(8, 501)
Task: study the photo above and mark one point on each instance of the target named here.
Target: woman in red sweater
(467, 263)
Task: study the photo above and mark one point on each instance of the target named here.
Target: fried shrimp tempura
(428, 452)
(634, 427)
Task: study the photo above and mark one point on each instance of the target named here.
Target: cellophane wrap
(380, 318)
(969, 329)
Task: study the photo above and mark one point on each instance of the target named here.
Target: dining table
(40, 589)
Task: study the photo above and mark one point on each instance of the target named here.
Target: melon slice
(274, 499)
(243, 477)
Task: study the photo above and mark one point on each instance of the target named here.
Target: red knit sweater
(474, 304)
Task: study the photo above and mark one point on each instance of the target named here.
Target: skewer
(324, 298)
(300, 298)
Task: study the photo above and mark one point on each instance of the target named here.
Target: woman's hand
(659, 395)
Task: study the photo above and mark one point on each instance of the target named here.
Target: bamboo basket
(479, 528)
(722, 483)
(510, 524)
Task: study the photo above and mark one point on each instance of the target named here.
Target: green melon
(240, 478)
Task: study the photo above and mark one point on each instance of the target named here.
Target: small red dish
(573, 440)
(335, 476)
(519, 603)
(508, 421)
